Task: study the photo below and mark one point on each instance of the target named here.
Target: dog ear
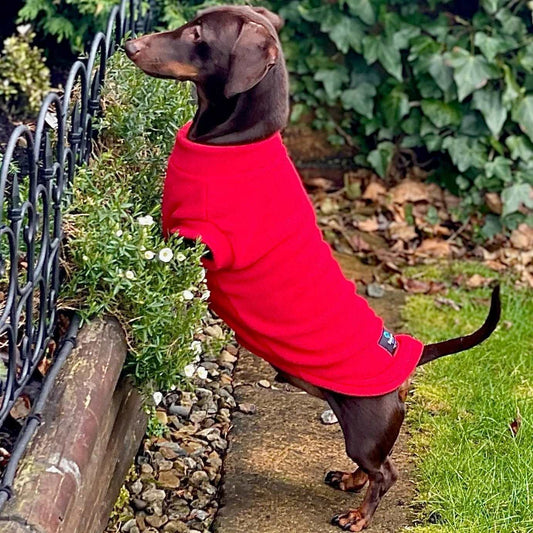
(274, 19)
(253, 55)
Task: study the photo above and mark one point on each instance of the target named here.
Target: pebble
(180, 410)
(247, 408)
(374, 290)
(126, 528)
(198, 477)
(328, 417)
(264, 383)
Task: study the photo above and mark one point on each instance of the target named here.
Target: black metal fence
(36, 173)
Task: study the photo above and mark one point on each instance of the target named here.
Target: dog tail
(459, 344)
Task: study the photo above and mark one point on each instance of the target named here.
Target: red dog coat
(273, 278)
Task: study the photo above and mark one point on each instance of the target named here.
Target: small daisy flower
(196, 347)
(119, 233)
(201, 277)
(158, 397)
(165, 255)
(130, 274)
(149, 254)
(145, 221)
(205, 295)
(189, 371)
(181, 257)
(201, 372)
(187, 295)
(85, 258)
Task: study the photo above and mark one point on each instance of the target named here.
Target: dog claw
(350, 521)
(344, 481)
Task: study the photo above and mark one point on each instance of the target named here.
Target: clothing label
(388, 342)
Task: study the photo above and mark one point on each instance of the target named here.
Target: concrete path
(278, 457)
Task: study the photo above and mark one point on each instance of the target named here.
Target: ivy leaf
(346, 33)
(381, 157)
(516, 195)
(490, 6)
(520, 147)
(526, 58)
(471, 72)
(500, 168)
(512, 91)
(523, 116)
(360, 99)
(333, 80)
(377, 47)
(491, 46)
(441, 114)
(440, 72)
(362, 9)
(490, 104)
(394, 107)
(466, 152)
(511, 24)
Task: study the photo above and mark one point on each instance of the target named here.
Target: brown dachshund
(234, 58)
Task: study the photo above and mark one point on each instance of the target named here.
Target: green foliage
(24, 78)
(412, 75)
(119, 262)
(473, 474)
(71, 20)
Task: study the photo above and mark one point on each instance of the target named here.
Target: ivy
(425, 76)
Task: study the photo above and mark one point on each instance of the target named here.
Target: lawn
(473, 473)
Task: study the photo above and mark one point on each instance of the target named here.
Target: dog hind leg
(370, 426)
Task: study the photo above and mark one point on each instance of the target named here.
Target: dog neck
(245, 118)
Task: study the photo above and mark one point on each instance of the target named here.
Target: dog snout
(133, 47)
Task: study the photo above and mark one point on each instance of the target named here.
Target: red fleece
(273, 278)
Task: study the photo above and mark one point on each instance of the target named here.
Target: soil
(278, 457)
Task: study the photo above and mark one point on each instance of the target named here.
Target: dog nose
(132, 47)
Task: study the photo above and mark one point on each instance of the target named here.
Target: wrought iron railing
(36, 173)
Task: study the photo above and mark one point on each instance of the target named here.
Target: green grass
(472, 474)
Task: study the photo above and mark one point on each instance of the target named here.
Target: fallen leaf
(447, 301)
(21, 408)
(369, 225)
(494, 202)
(415, 286)
(495, 265)
(401, 230)
(514, 426)
(415, 191)
(374, 191)
(434, 248)
(477, 280)
(522, 237)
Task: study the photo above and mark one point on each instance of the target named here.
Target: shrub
(417, 78)
(118, 260)
(71, 20)
(24, 78)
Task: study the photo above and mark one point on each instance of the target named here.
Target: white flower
(201, 277)
(187, 295)
(205, 295)
(145, 221)
(181, 257)
(196, 347)
(119, 233)
(189, 371)
(149, 254)
(157, 396)
(165, 255)
(85, 258)
(24, 29)
(202, 372)
(130, 274)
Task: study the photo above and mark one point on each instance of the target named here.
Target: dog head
(229, 47)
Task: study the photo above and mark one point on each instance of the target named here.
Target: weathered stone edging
(91, 428)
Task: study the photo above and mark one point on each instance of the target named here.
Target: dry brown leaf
(477, 280)
(21, 408)
(368, 225)
(375, 191)
(434, 248)
(415, 191)
(495, 265)
(494, 202)
(522, 237)
(447, 301)
(401, 230)
(415, 286)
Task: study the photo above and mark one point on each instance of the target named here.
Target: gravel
(177, 476)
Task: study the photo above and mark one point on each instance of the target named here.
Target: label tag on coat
(388, 342)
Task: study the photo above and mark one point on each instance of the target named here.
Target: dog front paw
(346, 481)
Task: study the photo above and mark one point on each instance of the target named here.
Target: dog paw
(346, 481)
(351, 521)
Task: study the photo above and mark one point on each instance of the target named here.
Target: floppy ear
(274, 19)
(253, 54)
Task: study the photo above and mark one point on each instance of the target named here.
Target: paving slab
(278, 457)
